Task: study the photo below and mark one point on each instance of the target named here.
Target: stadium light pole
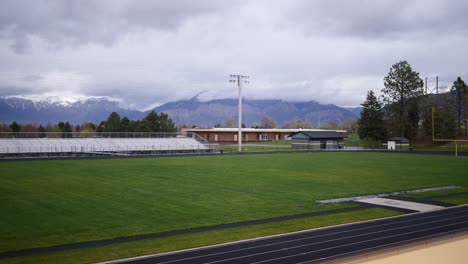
(239, 79)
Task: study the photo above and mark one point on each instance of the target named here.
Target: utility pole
(432, 90)
(426, 85)
(239, 79)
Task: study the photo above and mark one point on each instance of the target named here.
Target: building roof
(261, 130)
(320, 134)
(401, 139)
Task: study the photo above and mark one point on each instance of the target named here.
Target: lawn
(263, 146)
(447, 147)
(56, 202)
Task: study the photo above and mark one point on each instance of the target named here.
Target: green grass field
(264, 146)
(55, 202)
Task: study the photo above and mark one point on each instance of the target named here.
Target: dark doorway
(323, 144)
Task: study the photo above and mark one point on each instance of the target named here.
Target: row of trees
(268, 122)
(37, 130)
(404, 110)
(153, 122)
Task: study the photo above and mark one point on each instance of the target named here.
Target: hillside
(189, 112)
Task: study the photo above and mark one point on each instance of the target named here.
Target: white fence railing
(172, 143)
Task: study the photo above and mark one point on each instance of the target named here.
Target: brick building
(229, 135)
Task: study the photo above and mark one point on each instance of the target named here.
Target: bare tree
(329, 125)
(230, 122)
(267, 122)
(350, 125)
(297, 124)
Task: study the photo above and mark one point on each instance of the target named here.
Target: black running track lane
(326, 243)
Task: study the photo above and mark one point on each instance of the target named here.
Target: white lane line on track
(331, 240)
(305, 238)
(464, 230)
(311, 252)
(445, 211)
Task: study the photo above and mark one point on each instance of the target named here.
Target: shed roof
(400, 139)
(320, 134)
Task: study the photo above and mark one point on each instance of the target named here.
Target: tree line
(152, 122)
(268, 122)
(404, 110)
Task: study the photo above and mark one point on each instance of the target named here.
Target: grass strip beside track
(432, 194)
(118, 240)
(459, 200)
(442, 198)
(160, 245)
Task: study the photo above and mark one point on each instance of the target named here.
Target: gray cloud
(151, 52)
(381, 19)
(76, 22)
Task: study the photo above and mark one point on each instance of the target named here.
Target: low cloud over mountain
(188, 112)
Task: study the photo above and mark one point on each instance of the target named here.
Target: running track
(324, 244)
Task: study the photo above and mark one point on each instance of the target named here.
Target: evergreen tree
(151, 122)
(460, 91)
(101, 127)
(444, 123)
(113, 123)
(402, 89)
(427, 103)
(15, 127)
(413, 119)
(124, 124)
(42, 133)
(166, 123)
(371, 124)
(444, 119)
(158, 123)
(67, 130)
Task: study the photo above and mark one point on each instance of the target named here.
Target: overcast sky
(150, 52)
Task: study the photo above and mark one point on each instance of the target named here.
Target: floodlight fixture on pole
(239, 79)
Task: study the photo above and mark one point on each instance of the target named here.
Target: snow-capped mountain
(37, 109)
(195, 112)
(46, 101)
(40, 109)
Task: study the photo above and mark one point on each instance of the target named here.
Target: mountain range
(23, 109)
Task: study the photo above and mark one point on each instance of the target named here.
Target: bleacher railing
(86, 134)
(103, 143)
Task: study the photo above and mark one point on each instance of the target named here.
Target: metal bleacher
(104, 145)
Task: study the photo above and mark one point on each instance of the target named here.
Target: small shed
(397, 143)
(317, 140)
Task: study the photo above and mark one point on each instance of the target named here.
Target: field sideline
(55, 202)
